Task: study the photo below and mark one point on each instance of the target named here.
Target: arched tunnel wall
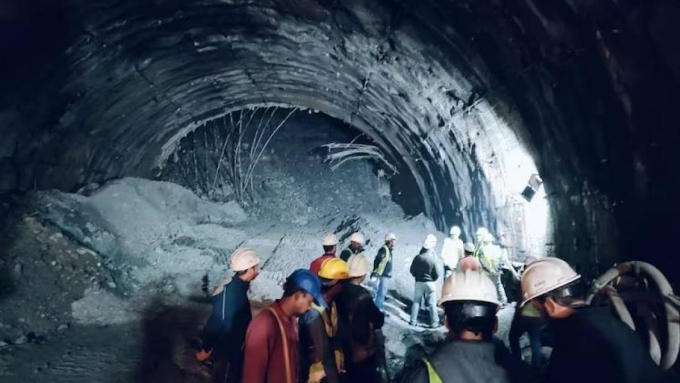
(453, 91)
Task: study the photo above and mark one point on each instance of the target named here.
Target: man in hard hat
(590, 344)
(272, 350)
(470, 304)
(362, 321)
(490, 257)
(469, 261)
(330, 247)
(425, 270)
(321, 337)
(224, 333)
(382, 270)
(452, 250)
(356, 243)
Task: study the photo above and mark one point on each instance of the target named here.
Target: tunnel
(439, 113)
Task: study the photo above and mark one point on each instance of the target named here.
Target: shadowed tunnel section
(469, 97)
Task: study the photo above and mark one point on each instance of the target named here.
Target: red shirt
(315, 266)
(264, 360)
(469, 263)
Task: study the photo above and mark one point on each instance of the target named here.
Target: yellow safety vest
(432, 375)
(331, 324)
(381, 266)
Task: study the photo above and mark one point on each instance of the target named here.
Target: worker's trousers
(428, 292)
(381, 292)
(498, 281)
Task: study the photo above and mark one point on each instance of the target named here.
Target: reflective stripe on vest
(331, 326)
(432, 375)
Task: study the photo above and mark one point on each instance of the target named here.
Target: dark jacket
(382, 266)
(462, 362)
(425, 267)
(348, 252)
(225, 330)
(357, 312)
(594, 346)
(316, 345)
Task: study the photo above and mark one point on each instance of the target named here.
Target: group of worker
(325, 328)
(591, 344)
(427, 267)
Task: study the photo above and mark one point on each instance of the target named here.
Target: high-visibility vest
(331, 325)
(381, 266)
(432, 375)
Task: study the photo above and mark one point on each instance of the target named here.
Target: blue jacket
(226, 328)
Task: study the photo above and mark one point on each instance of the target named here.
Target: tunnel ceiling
(450, 90)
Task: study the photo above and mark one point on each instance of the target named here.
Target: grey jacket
(462, 362)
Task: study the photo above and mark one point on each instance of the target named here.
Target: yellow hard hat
(546, 275)
(334, 269)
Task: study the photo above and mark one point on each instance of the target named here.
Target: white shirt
(452, 252)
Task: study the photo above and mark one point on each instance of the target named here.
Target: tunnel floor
(87, 298)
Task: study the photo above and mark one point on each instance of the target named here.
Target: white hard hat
(430, 242)
(357, 237)
(243, 259)
(469, 247)
(455, 230)
(390, 237)
(470, 285)
(545, 275)
(487, 237)
(330, 240)
(482, 231)
(358, 265)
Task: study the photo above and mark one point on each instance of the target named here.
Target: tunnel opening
(121, 106)
(278, 162)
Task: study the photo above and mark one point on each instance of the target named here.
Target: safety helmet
(390, 237)
(430, 242)
(243, 259)
(469, 247)
(334, 269)
(481, 231)
(470, 285)
(455, 230)
(305, 280)
(357, 237)
(330, 239)
(546, 275)
(358, 265)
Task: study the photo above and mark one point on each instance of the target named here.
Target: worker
(330, 247)
(469, 261)
(590, 343)
(528, 319)
(356, 243)
(272, 345)
(470, 303)
(224, 332)
(479, 235)
(452, 250)
(382, 270)
(492, 262)
(425, 270)
(362, 321)
(321, 337)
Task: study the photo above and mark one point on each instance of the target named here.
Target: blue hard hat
(307, 281)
